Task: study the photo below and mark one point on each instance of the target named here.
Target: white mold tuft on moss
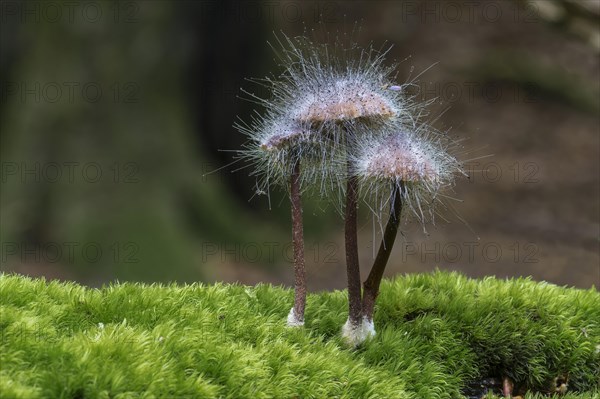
(293, 320)
(355, 335)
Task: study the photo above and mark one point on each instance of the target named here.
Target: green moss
(436, 333)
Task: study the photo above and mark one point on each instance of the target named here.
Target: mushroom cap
(283, 138)
(344, 100)
(400, 157)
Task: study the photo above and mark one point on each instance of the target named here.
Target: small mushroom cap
(282, 134)
(399, 157)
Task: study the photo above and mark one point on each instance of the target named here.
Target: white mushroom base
(355, 335)
(293, 320)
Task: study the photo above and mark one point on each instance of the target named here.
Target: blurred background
(113, 113)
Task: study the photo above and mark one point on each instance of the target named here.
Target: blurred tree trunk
(120, 133)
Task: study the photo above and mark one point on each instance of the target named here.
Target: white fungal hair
(397, 157)
(336, 84)
(335, 105)
(276, 143)
(344, 100)
(355, 334)
(420, 163)
(323, 92)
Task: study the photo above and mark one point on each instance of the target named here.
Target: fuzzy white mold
(355, 335)
(401, 157)
(293, 320)
(368, 327)
(340, 100)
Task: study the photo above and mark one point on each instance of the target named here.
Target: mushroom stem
(298, 243)
(373, 281)
(352, 264)
(507, 387)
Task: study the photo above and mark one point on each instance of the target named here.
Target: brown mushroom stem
(352, 264)
(298, 243)
(373, 281)
(507, 387)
